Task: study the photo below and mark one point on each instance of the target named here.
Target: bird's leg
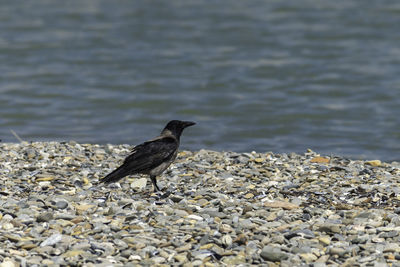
(154, 181)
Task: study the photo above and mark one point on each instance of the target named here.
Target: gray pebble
(270, 253)
(62, 204)
(44, 217)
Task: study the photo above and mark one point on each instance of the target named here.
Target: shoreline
(218, 208)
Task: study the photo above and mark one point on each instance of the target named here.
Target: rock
(329, 228)
(201, 254)
(281, 204)
(7, 226)
(308, 257)
(73, 253)
(389, 234)
(337, 251)
(194, 217)
(44, 217)
(84, 207)
(181, 213)
(214, 213)
(181, 258)
(225, 228)
(44, 179)
(247, 224)
(241, 239)
(25, 219)
(234, 260)
(249, 195)
(325, 240)
(227, 240)
(158, 260)
(374, 163)
(185, 247)
(176, 198)
(319, 160)
(8, 263)
(47, 262)
(319, 264)
(270, 253)
(62, 204)
(391, 247)
(139, 183)
(53, 239)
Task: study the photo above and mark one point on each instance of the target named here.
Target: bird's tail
(115, 175)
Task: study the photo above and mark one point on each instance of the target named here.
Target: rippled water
(276, 76)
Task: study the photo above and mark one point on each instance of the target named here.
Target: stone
(73, 253)
(337, 251)
(329, 228)
(308, 257)
(392, 247)
(185, 247)
(53, 239)
(270, 253)
(374, 163)
(194, 217)
(180, 258)
(44, 217)
(281, 204)
(139, 183)
(325, 240)
(241, 239)
(320, 160)
(62, 204)
(225, 228)
(7, 226)
(8, 263)
(389, 234)
(227, 240)
(181, 213)
(84, 207)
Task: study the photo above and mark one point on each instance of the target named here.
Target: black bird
(152, 157)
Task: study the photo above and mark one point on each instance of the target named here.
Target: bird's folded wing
(150, 154)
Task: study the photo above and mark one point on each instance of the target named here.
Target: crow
(152, 157)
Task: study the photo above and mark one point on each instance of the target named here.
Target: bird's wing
(145, 157)
(150, 154)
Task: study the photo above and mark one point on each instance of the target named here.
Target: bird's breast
(163, 166)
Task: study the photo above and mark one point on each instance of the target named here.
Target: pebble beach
(215, 209)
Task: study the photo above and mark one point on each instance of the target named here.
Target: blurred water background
(279, 76)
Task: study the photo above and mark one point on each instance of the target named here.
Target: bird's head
(176, 127)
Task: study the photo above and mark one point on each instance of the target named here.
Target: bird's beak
(188, 123)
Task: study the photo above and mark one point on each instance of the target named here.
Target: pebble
(308, 257)
(337, 251)
(44, 217)
(194, 217)
(270, 253)
(217, 208)
(8, 263)
(52, 240)
(139, 183)
(62, 204)
(227, 240)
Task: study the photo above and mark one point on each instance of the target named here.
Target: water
(278, 76)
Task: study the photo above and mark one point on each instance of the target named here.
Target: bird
(152, 157)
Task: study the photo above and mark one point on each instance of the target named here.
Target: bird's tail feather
(115, 175)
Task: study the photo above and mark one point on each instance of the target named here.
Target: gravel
(215, 209)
